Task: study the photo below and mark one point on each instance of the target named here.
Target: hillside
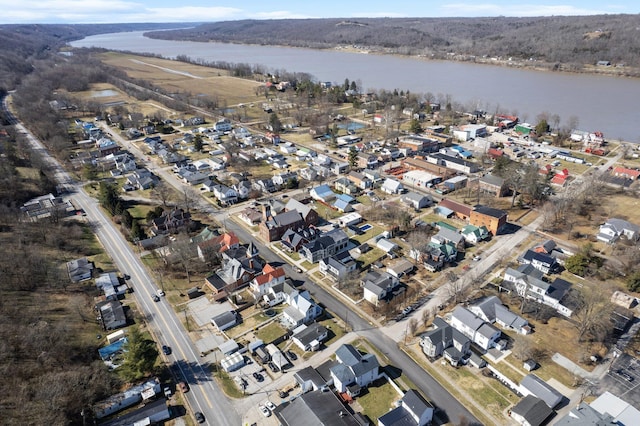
(561, 42)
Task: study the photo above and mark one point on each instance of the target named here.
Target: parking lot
(623, 379)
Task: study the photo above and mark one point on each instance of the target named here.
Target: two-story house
(353, 368)
(270, 276)
(326, 245)
(541, 261)
(614, 228)
(226, 195)
(528, 283)
(301, 310)
(445, 340)
(338, 266)
(378, 286)
(475, 328)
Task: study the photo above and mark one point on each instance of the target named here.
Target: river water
(607, 104)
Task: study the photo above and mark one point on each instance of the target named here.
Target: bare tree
(163, 192)
(593, 314)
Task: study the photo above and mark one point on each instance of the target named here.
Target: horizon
(199, 11)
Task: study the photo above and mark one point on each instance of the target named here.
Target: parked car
(160, 293)
(273, 367)
(184, 387)
(199, 417)
(270, 405)
(127, 277)
(166, 350)
(264, 410)
(407, 310)
(292, 356)
(476, 258)
(167, 391)
(258, 377)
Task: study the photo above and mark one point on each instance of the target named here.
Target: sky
(123, 11)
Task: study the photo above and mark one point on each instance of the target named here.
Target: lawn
(378, 399)
(326, 212)
(375, 230)
(270, 332)
(370, 257)
(291, 255)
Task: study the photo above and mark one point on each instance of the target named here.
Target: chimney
(266, 212)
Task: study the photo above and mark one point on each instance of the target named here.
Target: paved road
(387, 345)
(205, 396)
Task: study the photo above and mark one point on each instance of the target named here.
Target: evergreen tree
(353, 157)
(197, 142)
(140, 355)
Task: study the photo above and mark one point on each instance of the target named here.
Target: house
(171, 222)
(322, 193)
(342, 203)
(294, 240)
(491, 310)
(301, 309)
(623, 300)
(270, 277)
(614, 228)
(417, 201)
(474, 234)
(316, 408)
(309, 338)
(326, 245)
(421, 178)
(309, 215)
(354, 368)
(277, 357)
(131, 396)
(367, 161)
(386, 245)
(239, 266)
(338, 266)
(264, 185)
(250, 216)
(392, 186)
(346, 186)
(625, 173)
(534, 385)
(225, 195)
(492, 219)
(526, 281)
(359, 180)
(378, 286)
(111, 314)
(225, 320)
(400, 268)
(411, 410)
(46, 206)
(111, 286)
(531, 411)
(308, 173)
(475, 328)
(453, 163)
(284, 179)
(272, 228)
(546, 247)
(542, 262)
(446, 235)
(454, 183)
(243, 188)
(445, 340)
(80, 269)
(308, 379)
(493, 185)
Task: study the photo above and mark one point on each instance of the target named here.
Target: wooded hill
(558, 41)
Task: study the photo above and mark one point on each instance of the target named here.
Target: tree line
(562, 42)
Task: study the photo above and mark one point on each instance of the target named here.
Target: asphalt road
(450, 407)
(204, 396)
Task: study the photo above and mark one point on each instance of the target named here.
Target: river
(607, 104)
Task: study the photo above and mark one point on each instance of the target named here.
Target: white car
(270, 405)
(160, 293)
(264, 410)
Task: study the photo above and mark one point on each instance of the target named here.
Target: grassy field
(174, 77)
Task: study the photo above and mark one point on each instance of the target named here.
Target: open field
(175, 77)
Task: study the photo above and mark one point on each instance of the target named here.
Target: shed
(194, 292)
(225, 320)
(386, 245)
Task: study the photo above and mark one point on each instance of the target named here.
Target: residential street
(205, 396)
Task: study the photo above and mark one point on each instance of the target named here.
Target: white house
(225, 194)
(475, 328)
(271, 276)
(353, 368)
(392, 186)
(614, 228)
(309, 338)
(527, 282)
(301, 309)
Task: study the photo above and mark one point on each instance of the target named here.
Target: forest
(557, 42)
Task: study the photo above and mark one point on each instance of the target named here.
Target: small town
(352, 261)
